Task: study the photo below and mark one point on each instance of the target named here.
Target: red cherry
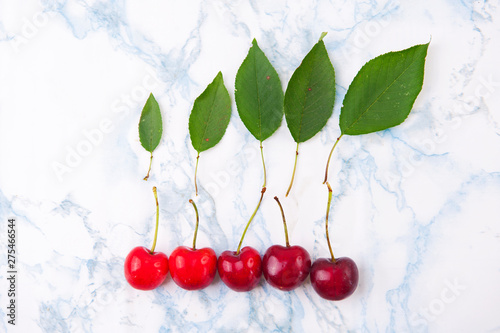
(284, 267)
(334, 280)
(193, 269)
(287, 267)
(240, 271)
(145, 270)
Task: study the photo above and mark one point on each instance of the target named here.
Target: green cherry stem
(149, 170)
(326, 220)
(294, 168)
(195, 173)
(197, 222)
(284, 221)
(260, 201)
(157, 218)
(263, 163)
(329, 157)
(250, 220)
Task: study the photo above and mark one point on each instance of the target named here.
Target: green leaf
(258, 94)
(150, 124)
(310, 94)
(383, 92)
(210, 115)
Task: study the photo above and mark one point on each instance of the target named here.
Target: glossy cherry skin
(286, 268)
(334, 281)
(240, 272)
(145, 270)
(193, 269)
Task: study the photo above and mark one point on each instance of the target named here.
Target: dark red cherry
(286, 267)
(334, 280)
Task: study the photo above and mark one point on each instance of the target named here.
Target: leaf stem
(263, 163)
(284, 221)
(250, 220)
(329, 157)
(157, 219)
(294, 168)
(150, 163)
(197, 222)
(326, 220)
(195, 173)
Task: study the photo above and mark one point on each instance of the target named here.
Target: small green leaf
(310, 94)
(210, 115)
(383, 92)
(150, 124)
(258, 94)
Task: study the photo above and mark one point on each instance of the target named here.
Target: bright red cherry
(192, 268)
(334, 280)
(240, 271)
(285, 267)
(145, 269)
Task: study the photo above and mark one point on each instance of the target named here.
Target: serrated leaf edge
(382, 93)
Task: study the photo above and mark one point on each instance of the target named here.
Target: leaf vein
(383, 92)
(209, 114)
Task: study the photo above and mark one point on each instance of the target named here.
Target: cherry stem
(197, 222)
(284, 221)
(250, 220)
(157, 218)
(329, 157)
(149, 170)
(294, 168)
(260, 201)
(195, 173)
(326, 220)
(263, 163)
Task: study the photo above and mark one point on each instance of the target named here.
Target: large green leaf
(258, 94)
(383, 92)
(210, 115)
(310, 94)
(150, 124)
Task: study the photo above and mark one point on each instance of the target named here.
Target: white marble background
(416, 206)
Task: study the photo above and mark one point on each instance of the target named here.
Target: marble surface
(416, 206)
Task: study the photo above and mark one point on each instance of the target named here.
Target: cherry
(334, 279)
(285, 268)
(145, 269)
(240, 270)
(192, 268)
